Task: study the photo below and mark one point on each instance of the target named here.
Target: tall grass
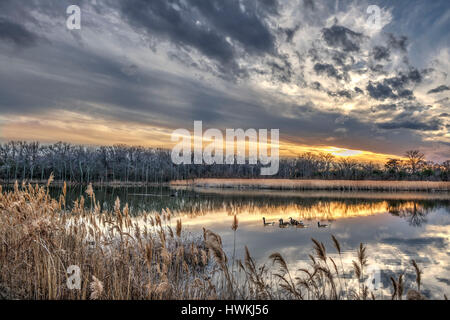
(143, 258)
(289, 184)
(118, 258)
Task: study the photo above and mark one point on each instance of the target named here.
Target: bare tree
(415, 159)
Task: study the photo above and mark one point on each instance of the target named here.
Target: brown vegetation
(290, 184)
(143, 258)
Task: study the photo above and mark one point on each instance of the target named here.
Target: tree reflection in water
(413, 211)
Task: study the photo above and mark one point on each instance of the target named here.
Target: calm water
(396, 227)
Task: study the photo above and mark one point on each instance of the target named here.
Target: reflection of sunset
(320, 211)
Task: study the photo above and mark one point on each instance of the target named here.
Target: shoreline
(94, 184)
(341, 185)
(270, 184)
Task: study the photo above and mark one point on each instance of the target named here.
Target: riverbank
(270, 184)
(342, 185)
(95, 184)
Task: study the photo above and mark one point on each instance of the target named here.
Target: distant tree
(83, 164)
(393, 165)
(446, 165)
(415, 159)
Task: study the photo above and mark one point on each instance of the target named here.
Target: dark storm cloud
(406, 94)
(408, 120)
(433, 125)
(290, 32)
(15, 33)
(342, 37)
(316, 86)
(327, 69)
(341, 93)
(281, 72)
(439, 89)
(342, 58)
(246, 27)
(309, 4)
(399, 43)
(394, 87)
(380, 53)
(402, 79)
(380, 91)
(359, 90)
(384, 107)
(205, 26)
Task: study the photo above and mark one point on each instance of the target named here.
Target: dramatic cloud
(15, 33)
(328, 70)
(380, 53)
(342, 37)
(439, 89)
(318, 71)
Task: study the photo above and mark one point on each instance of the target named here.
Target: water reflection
(396, 227)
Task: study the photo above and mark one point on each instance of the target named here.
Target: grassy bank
(150, 257)
(343, 185)
(115, 183)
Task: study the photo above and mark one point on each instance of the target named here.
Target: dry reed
(290, 184)
(142, 258)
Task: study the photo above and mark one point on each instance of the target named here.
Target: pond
(395, 227)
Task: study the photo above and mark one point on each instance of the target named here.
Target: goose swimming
(283, 224)
(321, 225)
(267, 223)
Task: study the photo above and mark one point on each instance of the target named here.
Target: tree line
(20, 160)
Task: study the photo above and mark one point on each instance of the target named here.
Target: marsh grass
(143, 258)
(341, 185)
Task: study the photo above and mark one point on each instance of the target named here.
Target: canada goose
(294, 222)
(283, 224)
(321, 225)
(174, 194)
(267, 223)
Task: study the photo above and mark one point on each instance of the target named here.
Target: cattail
(163, 288)
(204, 257)
(278, 258)
(235, 224)
(336, 244)
(179, 227)
(362, 257)
(418, 274)
(395, 286)
(320, 249)
(400, 287)
(357, 269)
(149, 254)
(50, 179)
(96, 287)
(117, 205)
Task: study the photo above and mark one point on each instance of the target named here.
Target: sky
(330, 75)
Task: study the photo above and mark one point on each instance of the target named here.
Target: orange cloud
(83, 129)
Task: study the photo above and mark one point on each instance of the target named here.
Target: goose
(321, 225)
(174, 194)
(267, 223)
(283, 224)
(294, 222)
